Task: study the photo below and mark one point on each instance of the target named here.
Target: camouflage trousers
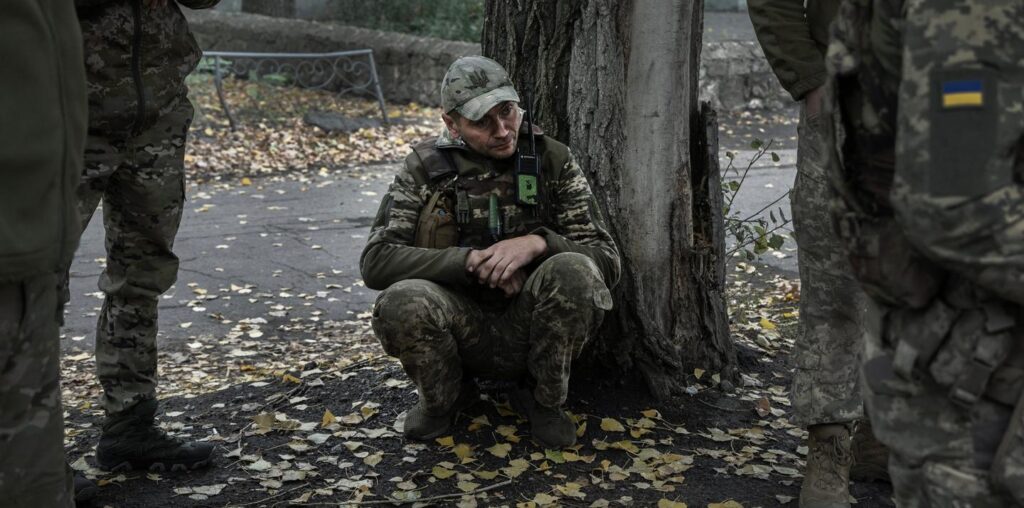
(33, 471)
(442, 335)
(825, 380)
(942, 447)
(141, 182)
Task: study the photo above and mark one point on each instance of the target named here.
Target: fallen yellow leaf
(500, 450)
(328, 418)
(467, 486)
(463, 451)
(611, 425)
(725, 504)
(665, 503)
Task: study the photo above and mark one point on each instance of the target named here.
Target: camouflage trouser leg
(142, 184)
(440, 335)
(831, 303)
(940, 451)
(33, 471)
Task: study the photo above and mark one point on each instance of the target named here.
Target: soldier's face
(495, 135)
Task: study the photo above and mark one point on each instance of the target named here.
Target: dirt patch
(309, 419)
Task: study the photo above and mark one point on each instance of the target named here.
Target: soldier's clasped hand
(497, 265)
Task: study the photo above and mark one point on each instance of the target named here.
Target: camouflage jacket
(42, 136)
(136, 61)
(572, 223)
(794, 38)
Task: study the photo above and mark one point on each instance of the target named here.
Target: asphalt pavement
(289, 248)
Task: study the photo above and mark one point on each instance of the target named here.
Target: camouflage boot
(551, 427)
(827, 477)
(870, 456)
(423, 426)
(131, 440)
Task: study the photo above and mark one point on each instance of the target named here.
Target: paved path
(289, 249)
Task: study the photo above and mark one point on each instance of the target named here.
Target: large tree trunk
(276, 8)
(617, 80)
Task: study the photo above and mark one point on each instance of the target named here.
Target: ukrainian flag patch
(962, 93)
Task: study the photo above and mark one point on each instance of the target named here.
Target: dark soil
(715, 475)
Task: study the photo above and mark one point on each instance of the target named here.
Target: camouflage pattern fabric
(959, 192)
(442, 335)
(943, 359)
(137, 58)
(444, 326)
(825, 381)
(33, 471)
(942, 450)
(142, 185)
(475, 84)
(573, 222)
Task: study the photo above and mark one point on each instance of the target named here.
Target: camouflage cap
(475, 84)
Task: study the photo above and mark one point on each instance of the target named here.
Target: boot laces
(831, 456)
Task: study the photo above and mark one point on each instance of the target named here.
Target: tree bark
(617, 81)
(276, 8)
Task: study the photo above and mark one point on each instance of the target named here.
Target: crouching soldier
(493, 257)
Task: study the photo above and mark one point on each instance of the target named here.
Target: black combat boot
(423, 426)
(131, 440)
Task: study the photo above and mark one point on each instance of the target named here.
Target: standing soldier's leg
(825, 394)
(425, 325)
(33, 471)
(142, 207)
(102, 158)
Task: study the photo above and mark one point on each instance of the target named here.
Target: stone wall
(736, 75)
(733, 74)
(410, 67)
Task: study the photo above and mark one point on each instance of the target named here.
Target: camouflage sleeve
(389, 256)
(782, 29)
(579, 226)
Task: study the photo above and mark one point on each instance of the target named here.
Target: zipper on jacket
(140, 110)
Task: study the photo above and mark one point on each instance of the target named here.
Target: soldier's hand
(813, 101)
(496, 264)
(514, 284)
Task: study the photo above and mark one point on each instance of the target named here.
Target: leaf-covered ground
(306, 409)
(309, 415)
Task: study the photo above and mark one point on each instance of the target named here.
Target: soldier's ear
(451, 124)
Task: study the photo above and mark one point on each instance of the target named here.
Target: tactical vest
(958, 190)
(472, 199)
(939, 240)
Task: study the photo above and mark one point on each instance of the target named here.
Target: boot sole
(432, 435)
(157, 467)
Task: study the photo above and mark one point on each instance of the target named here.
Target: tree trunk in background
(276, 8)
(617, 81)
